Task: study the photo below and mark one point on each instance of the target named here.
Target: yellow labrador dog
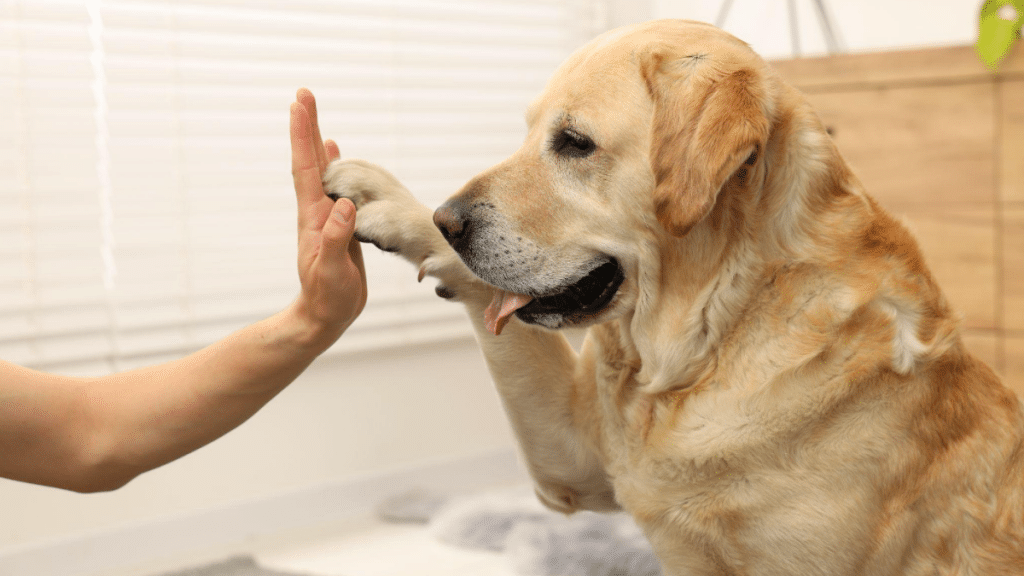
(772, 382)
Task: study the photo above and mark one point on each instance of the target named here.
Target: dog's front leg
(540, 381)
(535, 370)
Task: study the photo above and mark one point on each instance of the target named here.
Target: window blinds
(146, 206)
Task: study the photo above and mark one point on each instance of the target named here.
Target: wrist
(309, 331)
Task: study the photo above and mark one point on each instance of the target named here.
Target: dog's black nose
(452, 221)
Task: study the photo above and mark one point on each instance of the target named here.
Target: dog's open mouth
(578, 301)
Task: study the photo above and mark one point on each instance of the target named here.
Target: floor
(369, 547)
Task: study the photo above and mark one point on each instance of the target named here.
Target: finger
(301, 133)
(305, 97)
(305, 170)
(355, 253)
(333, 153)
(337, 237)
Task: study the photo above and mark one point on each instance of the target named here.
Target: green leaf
(997, 35)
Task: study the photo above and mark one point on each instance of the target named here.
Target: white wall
(863, 25)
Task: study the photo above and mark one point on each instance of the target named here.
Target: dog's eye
(573, 144)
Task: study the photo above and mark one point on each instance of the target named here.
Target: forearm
(145, 418)
(97, 434)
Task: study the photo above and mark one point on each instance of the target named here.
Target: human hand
(330, 261)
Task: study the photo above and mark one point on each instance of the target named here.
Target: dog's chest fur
(764, 465)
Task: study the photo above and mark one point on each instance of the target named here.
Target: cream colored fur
(778, 386)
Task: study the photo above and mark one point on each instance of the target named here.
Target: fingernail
(344, 210)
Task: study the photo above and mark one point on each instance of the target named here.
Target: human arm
(97, 434)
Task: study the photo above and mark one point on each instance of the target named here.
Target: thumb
(338, 230)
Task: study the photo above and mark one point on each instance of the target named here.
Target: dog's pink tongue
(503, 304)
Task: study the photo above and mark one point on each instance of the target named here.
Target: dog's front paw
(387, 214)
(363, 182)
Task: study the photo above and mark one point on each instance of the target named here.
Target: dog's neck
(787, 208)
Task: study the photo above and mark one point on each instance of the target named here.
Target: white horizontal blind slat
(170, 126)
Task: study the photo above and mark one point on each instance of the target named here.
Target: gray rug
(536, 541)
(241, 566)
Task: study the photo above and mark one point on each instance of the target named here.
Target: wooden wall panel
(1014, 354)
(959, 247)
(987, 347)
(1013, 270)
(1012, 142)
(920, 145)
(1011, 210)
(925, 66)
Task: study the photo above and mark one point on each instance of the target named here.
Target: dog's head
(627, 149)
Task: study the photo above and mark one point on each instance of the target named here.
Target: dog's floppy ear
(707, 123)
